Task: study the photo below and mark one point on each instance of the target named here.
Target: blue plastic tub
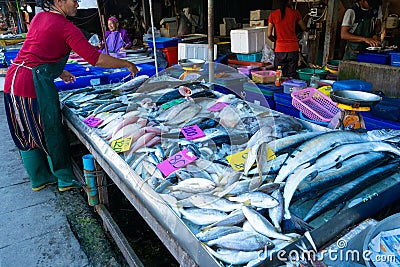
(325, 124)
(82, 81)
(394, 58)
(356, 85)
(373, 58)
(259, 99)
(372, 122)
(163, 42)
(255, 57)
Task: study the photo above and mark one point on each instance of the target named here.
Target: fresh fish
(271, 166)
(172, 202)
(234, 257)
(256, 199)
(347, 191)
(202, 216)
(194, 185)
(311, 149)
(276, 213)
(131, 84)
(173, 111)
(262, 225)
(350, 168)
(205, 201)
(329, 160)
(184, 115)
(242, 241)
(217, 232)
(247, 227)
(235, 217)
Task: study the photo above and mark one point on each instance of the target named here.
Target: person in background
(31, 97)
(284, 21)
(360, 27)
(117, 39)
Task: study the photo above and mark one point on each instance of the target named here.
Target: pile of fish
(240, 215)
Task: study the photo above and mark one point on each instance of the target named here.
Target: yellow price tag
(238, 160)
(122, 145)
(270, 154)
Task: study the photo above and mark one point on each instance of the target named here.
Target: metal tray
(355, 98)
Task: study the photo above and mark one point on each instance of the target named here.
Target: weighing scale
(351, 104)
(192, 68)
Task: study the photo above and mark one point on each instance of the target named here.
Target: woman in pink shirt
(31, 97)
(284, 21)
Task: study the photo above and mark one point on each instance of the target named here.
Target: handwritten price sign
(218, 106)
(192, 132)
(238, 160)
(122, 145)
(172, 103)
(92, 121)
(176, 162)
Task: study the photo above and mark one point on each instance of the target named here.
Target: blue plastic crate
(163, 42)
(260, 99)
(283, 99)
(255, 57)
(372, 122)
(148, 69)
(287, 110)
(73, 67)
(373, 58)
(81, 82)
(394, 58)
(10, 55)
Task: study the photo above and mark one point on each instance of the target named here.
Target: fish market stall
(214, 176)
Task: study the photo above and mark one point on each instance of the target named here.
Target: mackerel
(311, 149)
(205, 201)
(327, 161)
(347, 191)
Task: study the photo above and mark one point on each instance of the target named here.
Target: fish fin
(295, 224)
(247, 202)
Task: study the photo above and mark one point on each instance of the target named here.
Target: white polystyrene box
(194, 51)
(249, 40)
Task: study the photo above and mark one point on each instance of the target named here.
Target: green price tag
(172, 103)
(122, 145)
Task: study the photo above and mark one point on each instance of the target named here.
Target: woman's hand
(132, 68)
(67, 77)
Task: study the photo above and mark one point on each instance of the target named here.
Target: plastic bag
(94, 40)
(268, 54)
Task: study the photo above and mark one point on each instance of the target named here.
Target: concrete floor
(34, 229)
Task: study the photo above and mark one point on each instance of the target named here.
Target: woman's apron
(363, 29)
(50, 113)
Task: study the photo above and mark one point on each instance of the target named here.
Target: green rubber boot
(37, 167)
(66, 178)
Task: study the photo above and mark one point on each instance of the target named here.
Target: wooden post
(330, 31)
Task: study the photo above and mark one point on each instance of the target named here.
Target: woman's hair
(45, 4)
(282, 6)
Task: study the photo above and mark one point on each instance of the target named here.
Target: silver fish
(243, 241)
(256, 199)
(217, 232)
(261, 224)
(202, 216)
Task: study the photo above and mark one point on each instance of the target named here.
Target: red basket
(314, 104)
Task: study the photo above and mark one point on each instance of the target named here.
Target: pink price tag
(218, 106)
(192, 132)
(175, 162)
(92, 121)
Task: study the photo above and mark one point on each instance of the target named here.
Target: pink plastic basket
(314, 104)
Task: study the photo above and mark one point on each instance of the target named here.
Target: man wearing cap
(117, 39)
(359, 27)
